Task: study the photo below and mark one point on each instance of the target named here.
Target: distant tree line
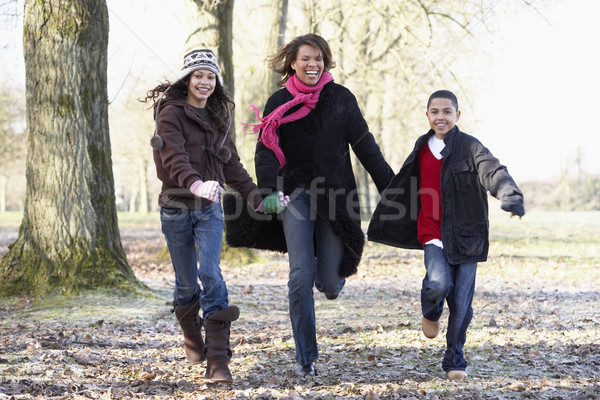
(565, 193)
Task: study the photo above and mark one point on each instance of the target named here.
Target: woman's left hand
(274, 203)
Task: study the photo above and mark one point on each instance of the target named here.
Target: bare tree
(131, 126)
(211, 26)
(69, 238)
(281, 21)
(391, 55)
(12, 152)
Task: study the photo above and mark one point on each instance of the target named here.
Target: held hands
(274, 203)
(210, 190)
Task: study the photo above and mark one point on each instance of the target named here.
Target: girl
(194, 157)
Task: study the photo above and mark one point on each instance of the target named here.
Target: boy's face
(442, 116)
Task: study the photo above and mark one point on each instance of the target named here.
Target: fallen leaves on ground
(535, 334)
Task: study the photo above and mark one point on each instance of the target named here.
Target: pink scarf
(308, 95)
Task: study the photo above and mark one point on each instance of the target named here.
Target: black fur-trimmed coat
(317, 151)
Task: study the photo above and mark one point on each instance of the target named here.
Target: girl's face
(309, 64)
(201, 86)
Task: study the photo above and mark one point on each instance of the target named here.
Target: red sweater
(429, 224)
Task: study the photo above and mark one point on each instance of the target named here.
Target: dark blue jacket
(468, 172)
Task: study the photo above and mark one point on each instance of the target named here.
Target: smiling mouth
(312, 74)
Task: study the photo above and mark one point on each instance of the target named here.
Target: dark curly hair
(218, 104)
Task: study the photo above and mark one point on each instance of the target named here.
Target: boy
(438, 203)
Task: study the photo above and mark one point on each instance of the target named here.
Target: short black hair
(444, 94)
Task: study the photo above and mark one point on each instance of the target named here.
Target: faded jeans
(300, 226)
(188, 230)
(455, 284)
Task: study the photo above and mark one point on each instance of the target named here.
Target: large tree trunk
(69, 238)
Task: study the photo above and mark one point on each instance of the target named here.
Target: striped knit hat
(200, 59)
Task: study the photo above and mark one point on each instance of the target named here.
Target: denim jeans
(308, 269)
(455, 284)
(194, 240)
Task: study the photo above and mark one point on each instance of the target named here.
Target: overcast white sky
(544, 81)
(533, 115)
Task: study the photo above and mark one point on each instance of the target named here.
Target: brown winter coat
(191, 141)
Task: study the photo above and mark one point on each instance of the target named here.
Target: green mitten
(271, 204)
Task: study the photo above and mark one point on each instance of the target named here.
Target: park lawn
(535, 331)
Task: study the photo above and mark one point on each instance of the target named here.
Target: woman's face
(201, 86)
(309, 64)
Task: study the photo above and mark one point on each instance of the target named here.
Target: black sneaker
(306, 370)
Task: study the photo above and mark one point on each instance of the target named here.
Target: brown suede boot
(191, 325)
(218, 351)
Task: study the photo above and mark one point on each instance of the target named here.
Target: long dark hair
(218, 105)
(281, 61)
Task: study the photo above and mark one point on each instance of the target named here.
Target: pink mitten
(283, 200)
(260, 207)
(210, 190)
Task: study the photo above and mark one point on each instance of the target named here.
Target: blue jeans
(456, 285)
(308, 269)
(194, 238)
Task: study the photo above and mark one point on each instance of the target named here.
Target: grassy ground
(535, 333)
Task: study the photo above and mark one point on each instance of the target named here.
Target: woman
(303, 151)
(194, 157)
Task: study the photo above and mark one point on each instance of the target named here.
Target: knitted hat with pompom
(200, 59)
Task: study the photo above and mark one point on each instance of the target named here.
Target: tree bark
(69, 238)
